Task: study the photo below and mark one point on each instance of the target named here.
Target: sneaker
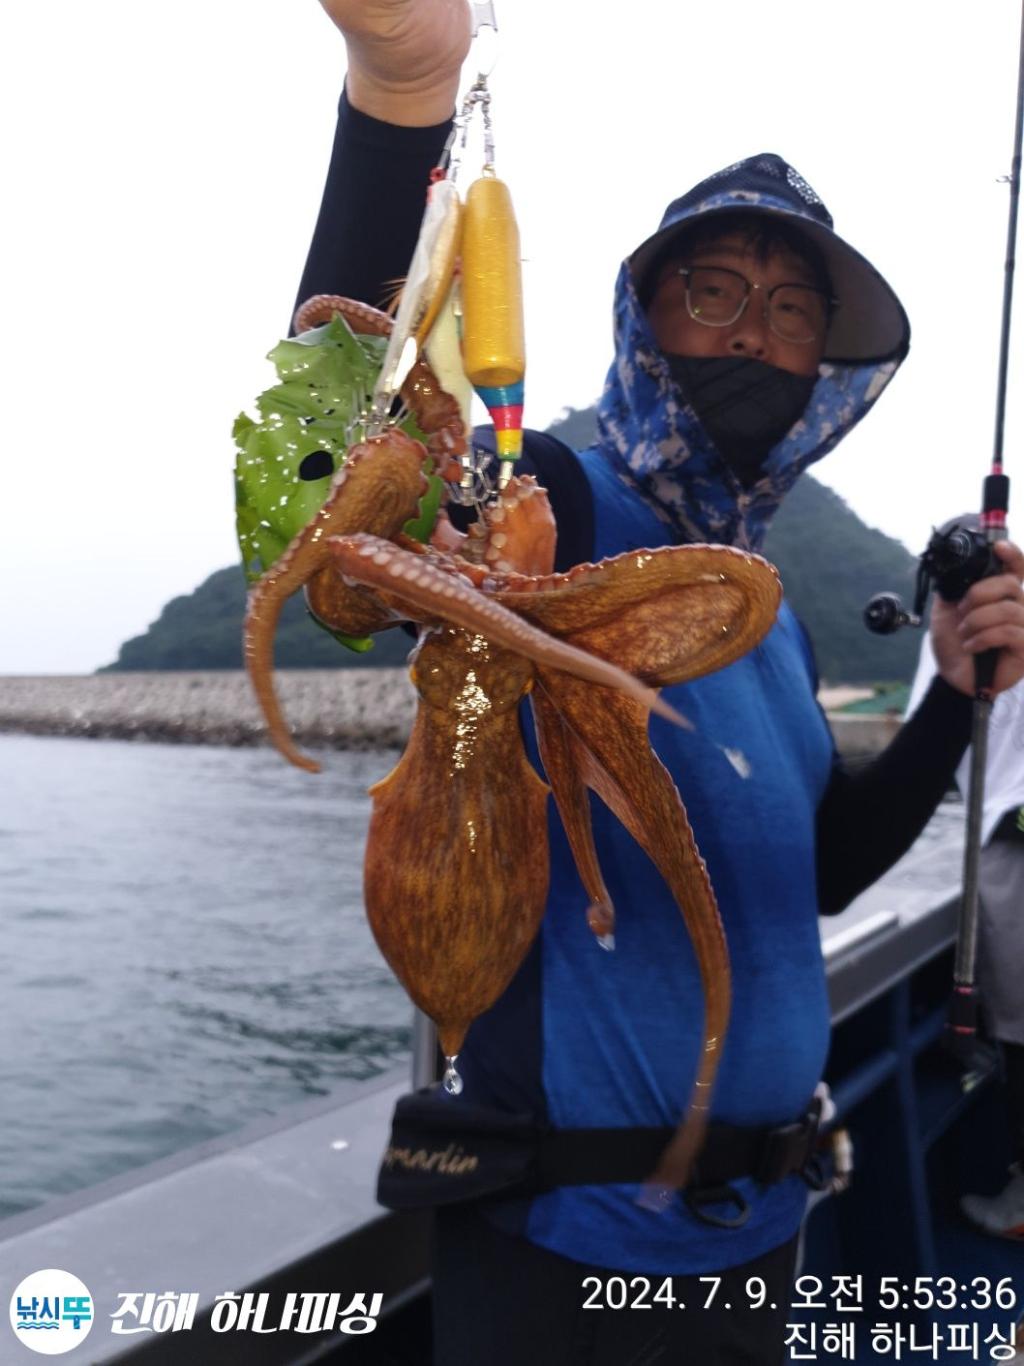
(1002, 1214)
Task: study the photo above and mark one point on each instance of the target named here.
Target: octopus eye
(316, 465)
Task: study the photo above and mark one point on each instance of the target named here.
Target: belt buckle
(696, 1197)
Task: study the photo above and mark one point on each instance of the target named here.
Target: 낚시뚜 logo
(51, 1312)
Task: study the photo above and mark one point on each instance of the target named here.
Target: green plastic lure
(307, 421)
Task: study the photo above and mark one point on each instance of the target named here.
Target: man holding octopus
(749, 338)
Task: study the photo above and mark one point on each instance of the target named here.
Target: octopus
(456, 869)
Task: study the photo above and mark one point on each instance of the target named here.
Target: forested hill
(830, 563)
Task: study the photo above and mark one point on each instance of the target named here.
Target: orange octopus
(451, 899)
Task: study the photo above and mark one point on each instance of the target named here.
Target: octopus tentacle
(321, 308)
(519, 530)
(562, 757)
(667, 615)
(631, 780)
(438, 417)
(355, 500)
(431, 592)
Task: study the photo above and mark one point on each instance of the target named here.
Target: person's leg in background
(1000, 973)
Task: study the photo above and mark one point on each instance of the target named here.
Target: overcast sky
(163, 168)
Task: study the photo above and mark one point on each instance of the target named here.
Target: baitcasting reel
(958, 555)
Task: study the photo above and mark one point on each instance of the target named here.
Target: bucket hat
(869, 323)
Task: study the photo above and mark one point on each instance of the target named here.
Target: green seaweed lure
(307, 421)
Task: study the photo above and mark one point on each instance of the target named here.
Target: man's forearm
(869, 819)
(372, 205)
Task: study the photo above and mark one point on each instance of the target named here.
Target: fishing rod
(958, 555)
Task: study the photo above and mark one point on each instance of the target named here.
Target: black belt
(594, 1157)
(443, 1151)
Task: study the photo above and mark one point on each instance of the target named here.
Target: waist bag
(443, 1151)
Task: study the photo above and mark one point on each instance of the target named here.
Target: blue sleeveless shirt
(588, 1038)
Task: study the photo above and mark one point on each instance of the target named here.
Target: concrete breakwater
(337, 708)
(341, 708)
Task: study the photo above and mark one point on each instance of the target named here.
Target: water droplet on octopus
(451, 1080)
(601, 919)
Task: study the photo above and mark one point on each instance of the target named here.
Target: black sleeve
(372, 206)
(869, 818)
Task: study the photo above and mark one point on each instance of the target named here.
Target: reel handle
(885, 614)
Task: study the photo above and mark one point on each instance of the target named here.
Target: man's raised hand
(404, 56)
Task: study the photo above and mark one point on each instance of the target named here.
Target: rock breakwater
(338, 708)
(335, 708)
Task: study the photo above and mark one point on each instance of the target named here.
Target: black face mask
(745, 406)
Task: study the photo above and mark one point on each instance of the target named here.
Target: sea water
(183, 950)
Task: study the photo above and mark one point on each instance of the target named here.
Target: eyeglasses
(716, 297)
